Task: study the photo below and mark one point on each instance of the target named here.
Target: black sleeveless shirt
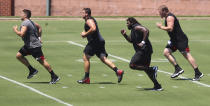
(137, 37)
(95, 37)
(176, 35)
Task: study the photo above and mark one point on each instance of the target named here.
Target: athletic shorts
(141, 58)
(98, 49)
(181, 46)
(35, 52)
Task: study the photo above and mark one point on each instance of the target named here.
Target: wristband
(39, 38)
(143, 42)
(125, 36)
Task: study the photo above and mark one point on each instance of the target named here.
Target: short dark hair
(163, 8)
(27, 12)
(133, 21)
(87, 10)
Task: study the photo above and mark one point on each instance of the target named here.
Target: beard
(129, 27)
(22, 18)
(83, 17)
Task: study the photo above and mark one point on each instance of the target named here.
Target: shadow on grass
(38, 82)
(180, 79)
(102, 83)
(108, 83)
(148, 89)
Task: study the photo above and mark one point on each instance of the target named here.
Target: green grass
(63, 58)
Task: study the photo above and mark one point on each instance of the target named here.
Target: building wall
(114, 7)
(6, 8)
(37, 7)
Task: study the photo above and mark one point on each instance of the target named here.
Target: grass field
(66, 60)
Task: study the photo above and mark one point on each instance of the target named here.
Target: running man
(142, 58)
(178, 40)
(30, 33)
(96, 45)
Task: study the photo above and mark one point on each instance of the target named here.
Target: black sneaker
(198, 76)
(32, 73)
(157, 88)
(177, 73)
(120, 75)
(54, 79)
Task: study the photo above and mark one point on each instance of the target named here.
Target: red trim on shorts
(148, 64)
(187, 49)
(42, 58)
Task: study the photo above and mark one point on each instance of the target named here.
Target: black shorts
(141, 58)
(97, 48)
(181, 46)
(35, 52)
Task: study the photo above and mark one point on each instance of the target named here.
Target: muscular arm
(170, 24)
(20, 33)
(144, 30)
(145, 34)
(92, 29)
(128, 38)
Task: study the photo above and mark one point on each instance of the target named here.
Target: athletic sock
(197, 71)
(52, 73)
(30, 68)
(86, 74)
(150, 68)
(177, 67)
(157, 84)
(115, 69)
(149, 72)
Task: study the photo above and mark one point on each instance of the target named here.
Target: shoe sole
(119, 80)
(160, 89)
(55, 81)
(179, 73)
(198, 78)
(32, 74)
(82, 82)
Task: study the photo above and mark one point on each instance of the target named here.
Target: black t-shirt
(95, 37)
(176, 35)
(137, 37)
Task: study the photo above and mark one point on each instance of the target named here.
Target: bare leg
(111, 65)
(190, 59)
(86, 79)
(86, 60)
(46, 65)
(54, 77)
(106, 61)
(22, 59)
(178, 70)
(168, 54)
